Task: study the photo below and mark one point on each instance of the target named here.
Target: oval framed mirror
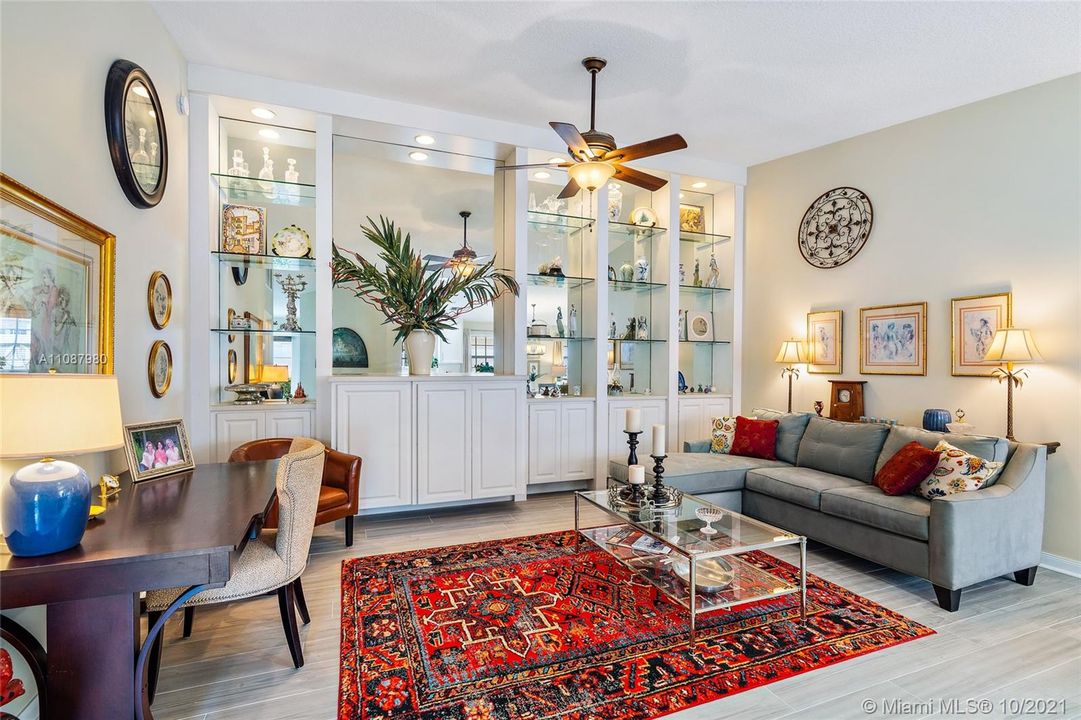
(135, 126)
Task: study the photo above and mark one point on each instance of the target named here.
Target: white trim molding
(1066, 566)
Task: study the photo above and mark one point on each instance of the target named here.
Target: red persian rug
(532, 628)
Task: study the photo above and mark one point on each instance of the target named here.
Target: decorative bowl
(709, 515)
(710, 575)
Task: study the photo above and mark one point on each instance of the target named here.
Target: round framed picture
(159, 300)
(231, 365)
(159, 368)
(135, 126)
(22, 669)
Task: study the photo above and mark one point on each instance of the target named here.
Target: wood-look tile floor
(1007, 642)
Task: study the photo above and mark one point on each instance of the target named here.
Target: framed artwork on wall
(825, 330)
(159, 299)
(974, 320)
(692, 218)
(159, 368)
(243, 229)
(699, 326)
(893, 339)
(154, 449)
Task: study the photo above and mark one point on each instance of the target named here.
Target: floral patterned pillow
(724, 431)
(957, 472)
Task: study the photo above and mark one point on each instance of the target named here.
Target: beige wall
(979, 199)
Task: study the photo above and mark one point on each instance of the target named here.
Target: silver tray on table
(710, 575)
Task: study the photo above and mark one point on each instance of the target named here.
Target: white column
(324, 291)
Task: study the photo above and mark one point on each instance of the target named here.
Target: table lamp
(791, 354)
(44, 506)
(274, 376)
(1011, 345)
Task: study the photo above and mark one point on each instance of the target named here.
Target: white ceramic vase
(420, 349)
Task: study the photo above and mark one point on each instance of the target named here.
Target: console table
(180, 530)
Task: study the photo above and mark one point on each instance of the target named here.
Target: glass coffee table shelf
(684, 571)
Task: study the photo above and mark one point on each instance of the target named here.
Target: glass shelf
(227, 331)
(651, 340)
(245, 190)
(566, 281)
(706, 342)
(632, 286)
(636, 232)
(565, 339)
(261, 259)
(703, 239)
(703, 289)
(554, 222)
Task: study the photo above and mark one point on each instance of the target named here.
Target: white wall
(54, 58)
(975, 200)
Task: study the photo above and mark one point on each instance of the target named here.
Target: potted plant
(420, 299)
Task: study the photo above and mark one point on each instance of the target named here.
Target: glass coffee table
(672, 549)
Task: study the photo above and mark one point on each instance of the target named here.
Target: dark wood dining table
(182, 530)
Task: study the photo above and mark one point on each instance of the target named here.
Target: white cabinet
(289, 424)
(561, 441)
(696, 416)
(375, 422)
(498, 437)
(236, 428)
(236, 425)
(444, 442)
(653, 413)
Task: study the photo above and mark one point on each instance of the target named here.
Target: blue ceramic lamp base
(44, 508)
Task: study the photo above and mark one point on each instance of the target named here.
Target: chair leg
(1025, 577)
(349, 530)
(189, 620)
(302, 606)
(287, 606)
(948, 599)
(154, 660)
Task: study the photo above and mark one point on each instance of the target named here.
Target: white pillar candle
(636, 474)
(658, 440)
(634, 420)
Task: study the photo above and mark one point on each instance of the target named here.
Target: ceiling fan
(464, 258)
(594, 156)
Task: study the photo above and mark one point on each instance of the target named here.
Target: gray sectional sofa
(821, 486)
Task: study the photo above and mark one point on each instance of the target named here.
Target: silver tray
(710, 575)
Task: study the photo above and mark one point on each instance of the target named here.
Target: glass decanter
(292, 176)
(267, 173)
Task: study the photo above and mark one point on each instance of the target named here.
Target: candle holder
(632, 441)
(662, 495)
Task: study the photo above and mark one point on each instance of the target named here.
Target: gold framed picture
(158, 448)
(974, 320)
(243, 229)
(692, 218)
(159, 299)
(159, 368)
(893, 339)
(825, 332)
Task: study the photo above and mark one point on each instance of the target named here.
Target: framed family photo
(974, 320)
(893, 339)
(154, 449)
(824, 335)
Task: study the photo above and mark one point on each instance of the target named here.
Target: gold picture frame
(825, 342)
(893, 339)
(692, 218)
(31, 219)
(159, 368)
(973, 322)
(146, 460)
(159, 299)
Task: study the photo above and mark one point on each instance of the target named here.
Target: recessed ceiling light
(698, 185)
(263, 114)
(681, 196)
(269, 134)
(418, 155)
(139, 90)
(425, 139)
(555, 160)
(542, 175)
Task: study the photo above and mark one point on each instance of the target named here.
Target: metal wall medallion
(835, 227)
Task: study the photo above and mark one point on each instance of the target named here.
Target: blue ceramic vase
(44, 508)
(936, 419)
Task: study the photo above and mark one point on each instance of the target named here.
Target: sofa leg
(1025, 577)
(349, 531)
(948, 599)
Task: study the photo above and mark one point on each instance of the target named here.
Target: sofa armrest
(975, 536)
(697, 446)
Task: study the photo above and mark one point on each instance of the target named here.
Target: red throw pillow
(908, 467)
(755, 438)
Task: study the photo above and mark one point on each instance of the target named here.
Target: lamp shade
(274, 374)
(1013, 345)
(591, 175)
(59, 414)
(791, 353)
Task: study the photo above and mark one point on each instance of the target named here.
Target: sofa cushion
(722, 435)
(849, 449)
(699, 472)
(988, 448)
(790, 429)
(799, 485)
(755, 438)
(903, 472)
(957, 472)
(907, 515)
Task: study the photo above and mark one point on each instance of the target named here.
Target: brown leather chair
(339, 495)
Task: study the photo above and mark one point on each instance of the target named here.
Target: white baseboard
(1066, 566)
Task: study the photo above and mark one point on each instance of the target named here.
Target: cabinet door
(444, 442)
(291, 423)
(498, 439)
(544, 442)
(690, 421)
(234, 428)
(375, 421)
(652, 413)
(577, 447)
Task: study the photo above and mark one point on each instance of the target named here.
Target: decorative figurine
(643, 328)
(615, 203)
(632, 329)
(299, 395)
(612, 330)
(641, 270)
(818, 407)
(611, 273)
(714, 274)
(626, 272)
(681, 324)
(555, 268)
(697, 275)
(560, 330)
(700, 388)
(292, 286)
(572, 321)
(682, 275)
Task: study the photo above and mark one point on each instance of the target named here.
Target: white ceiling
(744, 82)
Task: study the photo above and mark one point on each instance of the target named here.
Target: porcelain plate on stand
(292, 241)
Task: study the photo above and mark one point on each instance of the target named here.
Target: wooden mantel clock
(846, 400)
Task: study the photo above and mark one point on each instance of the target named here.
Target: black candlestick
(632, 441)
(663, 496)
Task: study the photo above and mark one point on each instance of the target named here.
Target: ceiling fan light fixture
(591, 175)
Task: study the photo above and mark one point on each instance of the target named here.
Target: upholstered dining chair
(339, 495)
(263, 567)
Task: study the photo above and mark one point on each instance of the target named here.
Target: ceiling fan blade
(436, 259)
(665, 144)
(575, 142)
(639, 178)
(534, 165)
(569, 190)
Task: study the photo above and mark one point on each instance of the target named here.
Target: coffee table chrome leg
(693, 606)
(803, 579)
